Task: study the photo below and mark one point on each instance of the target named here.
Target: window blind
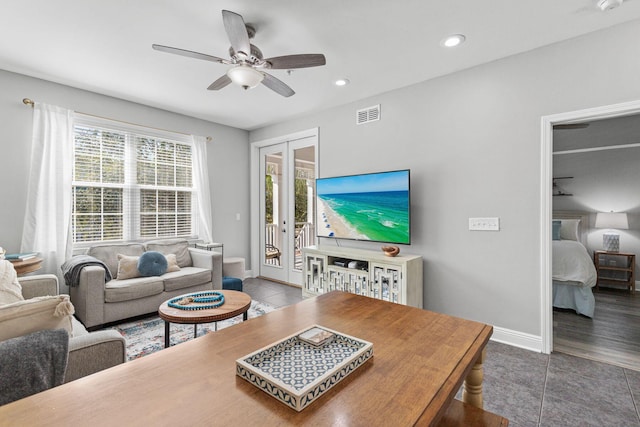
(130, 185)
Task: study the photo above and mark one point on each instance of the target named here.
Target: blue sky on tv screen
(367, 183)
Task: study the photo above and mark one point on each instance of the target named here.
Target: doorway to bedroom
(595, 169)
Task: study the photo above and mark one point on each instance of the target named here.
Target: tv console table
(373, 274)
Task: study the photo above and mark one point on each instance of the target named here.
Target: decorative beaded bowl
(198, 301)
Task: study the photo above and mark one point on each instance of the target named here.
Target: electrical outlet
(484, 224)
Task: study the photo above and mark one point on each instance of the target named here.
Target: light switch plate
(484, 224)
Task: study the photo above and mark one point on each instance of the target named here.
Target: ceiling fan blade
(220, 83)
(237, 32)
(571, 126)
(277, 85)
(187, 53)
(296, 61)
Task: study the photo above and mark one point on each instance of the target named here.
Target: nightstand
(615, 268)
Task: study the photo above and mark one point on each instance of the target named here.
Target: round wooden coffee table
(235, 304)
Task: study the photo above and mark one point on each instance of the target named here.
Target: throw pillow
(10, 289)
(127, 267)
(172, 263)
(569, 229)
(556, 230)
(152, 263)
(36, 314)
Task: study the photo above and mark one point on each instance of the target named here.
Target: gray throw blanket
(32, 363)
(72, 267)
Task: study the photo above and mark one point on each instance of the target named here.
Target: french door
(287, 207)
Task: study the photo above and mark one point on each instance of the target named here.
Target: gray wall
(472, 141)
(228, 154)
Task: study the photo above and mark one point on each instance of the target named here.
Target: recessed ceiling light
(342, 82)
(453, 40)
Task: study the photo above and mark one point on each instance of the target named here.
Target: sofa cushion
(10, 289)
(179, 247)
(109, 254)
(125, 290)
(152, 263)
(36, 314)
(185, 278)
(128, 267)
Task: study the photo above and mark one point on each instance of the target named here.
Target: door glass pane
(304, 202)
(274, 210)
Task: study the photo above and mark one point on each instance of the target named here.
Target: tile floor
(528, 388)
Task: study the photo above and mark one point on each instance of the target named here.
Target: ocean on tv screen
(379, 216)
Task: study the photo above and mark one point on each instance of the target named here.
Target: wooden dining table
(420, 361)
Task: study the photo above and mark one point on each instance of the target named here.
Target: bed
(573, 272)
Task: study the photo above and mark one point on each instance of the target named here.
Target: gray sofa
(98, 302)
(89, 352)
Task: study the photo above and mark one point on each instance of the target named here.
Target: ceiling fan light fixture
(606, 5)
(245, 76)
(453, 40)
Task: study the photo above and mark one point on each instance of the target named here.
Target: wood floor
(612, 336)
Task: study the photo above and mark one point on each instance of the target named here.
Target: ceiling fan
(247, 59)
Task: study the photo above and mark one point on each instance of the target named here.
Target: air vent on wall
(369, 114)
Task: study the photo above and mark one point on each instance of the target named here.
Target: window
(130, 184)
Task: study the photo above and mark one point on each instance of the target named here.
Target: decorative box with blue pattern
(297, 372)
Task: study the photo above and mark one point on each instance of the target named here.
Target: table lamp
(612, 220)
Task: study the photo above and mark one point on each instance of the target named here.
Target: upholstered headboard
(583, 226)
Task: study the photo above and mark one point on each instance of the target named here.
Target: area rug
(146, 336)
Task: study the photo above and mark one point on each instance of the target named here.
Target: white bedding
(572, 264)
(573, 277)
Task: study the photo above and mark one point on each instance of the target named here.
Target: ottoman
(232, 284)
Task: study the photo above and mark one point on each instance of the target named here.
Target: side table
(615, 268)
(210, 246)
(27, 266)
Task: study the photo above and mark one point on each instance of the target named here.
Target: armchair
(88, 352)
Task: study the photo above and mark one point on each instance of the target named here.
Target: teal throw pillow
(152, 264)
(555, 234)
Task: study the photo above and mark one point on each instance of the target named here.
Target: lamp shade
(615, 220)
(245, 76)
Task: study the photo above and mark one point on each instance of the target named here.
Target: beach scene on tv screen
(365, 207)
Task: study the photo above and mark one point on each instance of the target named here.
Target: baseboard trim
(517, 339)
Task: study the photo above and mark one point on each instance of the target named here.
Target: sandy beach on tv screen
(335, 224)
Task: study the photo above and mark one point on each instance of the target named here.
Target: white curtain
(47, 223)
(201, 184)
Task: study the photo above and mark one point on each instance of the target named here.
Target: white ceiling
(105, 46)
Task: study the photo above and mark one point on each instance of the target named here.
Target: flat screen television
(372, 206)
